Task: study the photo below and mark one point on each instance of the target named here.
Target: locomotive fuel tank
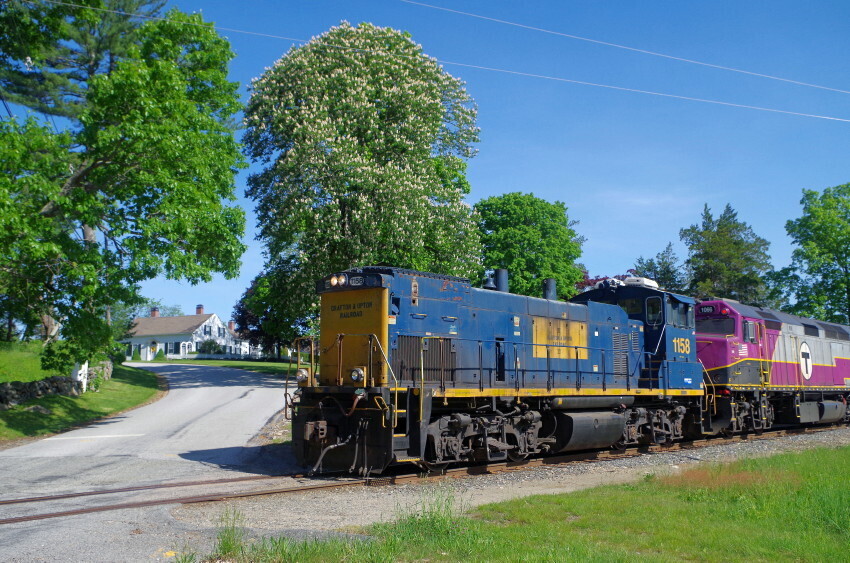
(587, 430)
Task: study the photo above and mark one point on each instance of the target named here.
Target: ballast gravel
(346, 510)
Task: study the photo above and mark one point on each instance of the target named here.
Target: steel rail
(493, 468)
(146, 488)
(216, 497)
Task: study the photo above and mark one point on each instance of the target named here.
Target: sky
(633, 168)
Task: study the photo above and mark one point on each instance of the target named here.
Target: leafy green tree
(726, 258)
(664, 269)
(819, 280)
(138, 189)
(533, 239)
(259, 315)
(362, 139)
(52, 51)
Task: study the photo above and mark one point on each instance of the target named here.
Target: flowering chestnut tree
(362, 140)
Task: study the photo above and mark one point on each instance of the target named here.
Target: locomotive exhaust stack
(502, 280)
(550, 289)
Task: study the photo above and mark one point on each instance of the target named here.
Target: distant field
(21, 361)
(791, 507)
(127, 388)
(282, 369)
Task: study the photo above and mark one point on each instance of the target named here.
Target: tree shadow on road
(190, 376)
(270, 459)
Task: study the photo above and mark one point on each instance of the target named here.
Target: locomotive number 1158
(682, 345)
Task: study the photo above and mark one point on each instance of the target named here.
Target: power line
(626, 47)
(478, 67)
(634, 90)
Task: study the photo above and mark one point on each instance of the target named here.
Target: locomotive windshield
(723, 326)
(631, 306)
(680, 314)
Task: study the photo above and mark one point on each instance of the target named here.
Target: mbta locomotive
(421, 368)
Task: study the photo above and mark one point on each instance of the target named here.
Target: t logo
(806, 361)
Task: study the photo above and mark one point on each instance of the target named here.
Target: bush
(118, 353)
(137, 357)
(210, 347)
(160, 355)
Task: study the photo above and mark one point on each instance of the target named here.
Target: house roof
(154, 326)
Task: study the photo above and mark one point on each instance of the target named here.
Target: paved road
(201, 429)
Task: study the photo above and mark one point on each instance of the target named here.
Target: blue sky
(632, 168)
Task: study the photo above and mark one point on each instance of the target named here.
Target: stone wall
(102, 370)
(16, 392)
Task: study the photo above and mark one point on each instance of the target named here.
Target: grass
(127, 388)
(21, 361)
(281, 369)
(791, 507)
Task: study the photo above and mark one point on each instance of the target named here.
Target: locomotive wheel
(432, 467)
(515, 456)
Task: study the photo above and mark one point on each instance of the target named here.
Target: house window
(221, 332)
(207, 330)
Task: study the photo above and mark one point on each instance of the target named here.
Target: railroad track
(455, 472)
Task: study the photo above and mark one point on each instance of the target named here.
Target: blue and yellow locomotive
(424, 368)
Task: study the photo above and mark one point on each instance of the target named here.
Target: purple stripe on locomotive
(744, 345)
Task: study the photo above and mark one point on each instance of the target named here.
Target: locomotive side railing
(442, 375)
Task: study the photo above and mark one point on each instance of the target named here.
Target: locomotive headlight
(302, 375)
(356, 375)
(334, 281)
(341, 279)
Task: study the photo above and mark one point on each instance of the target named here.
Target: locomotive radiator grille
(439, 359)
(621, 353)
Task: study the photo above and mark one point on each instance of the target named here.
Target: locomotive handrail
(422, 372)
(713, 386)
(570, 353)
(297, 344)
(374, 338)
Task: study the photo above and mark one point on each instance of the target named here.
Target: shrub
(137, 357)
(210, 347)
(160, 355)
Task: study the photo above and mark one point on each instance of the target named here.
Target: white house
(180, 336)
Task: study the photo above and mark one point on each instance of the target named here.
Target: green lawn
(127, 388)
(791, 507)
(21, 361)
(281, 369)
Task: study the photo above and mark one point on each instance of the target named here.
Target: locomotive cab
(669, 330)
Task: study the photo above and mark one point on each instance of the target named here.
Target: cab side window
(749, 331)
(654, 311)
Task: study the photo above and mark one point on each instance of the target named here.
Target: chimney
(154, 312)
(199, 309)
(231, 326)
